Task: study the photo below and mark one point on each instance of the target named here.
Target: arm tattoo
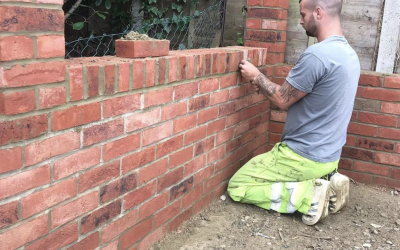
(267, 87)
(288, 92)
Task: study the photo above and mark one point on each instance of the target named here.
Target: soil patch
(136, 36)
(370, 221)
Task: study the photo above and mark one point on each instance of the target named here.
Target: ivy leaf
(196, 13)
(78, 25)
(98, 2)
(152, 1)
(101, 15)
(108, 4)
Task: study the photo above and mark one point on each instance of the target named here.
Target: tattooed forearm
(267, 87)
(288, 92)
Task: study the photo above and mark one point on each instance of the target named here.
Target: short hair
(332, 7)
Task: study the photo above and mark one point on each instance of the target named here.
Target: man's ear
(318, 12)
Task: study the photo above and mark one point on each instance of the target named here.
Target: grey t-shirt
(316, 125)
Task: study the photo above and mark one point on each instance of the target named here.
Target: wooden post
(389, 37)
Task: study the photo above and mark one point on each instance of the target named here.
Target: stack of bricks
(113, 153)
(372, 151)
(266, 26)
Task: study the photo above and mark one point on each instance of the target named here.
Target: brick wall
(113, 153)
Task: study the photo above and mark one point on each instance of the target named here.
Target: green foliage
(240, 38)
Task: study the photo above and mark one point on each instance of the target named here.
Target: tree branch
(73, 8)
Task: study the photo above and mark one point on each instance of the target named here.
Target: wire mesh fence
(201, 29)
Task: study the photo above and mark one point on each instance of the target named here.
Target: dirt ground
(370, 221)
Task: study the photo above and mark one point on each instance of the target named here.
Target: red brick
(153, 206)
(212, 183)
(221, 66)
(169, 146)
(360, 154)
(118, 187)
(76, 84)
(109, 79)
(8, 214)
(181, 157)
(141, 49)
(24, 181)
(75, 116)
(208, 115)
(227, 64)
(214, 64)
(195, 165)
(186, 90)
(153, 237)
(234, 61)
(167, 213)
(16, 47)
(391, 108)
(76, 162)
(138, 76)
(392, 82)
(139, 195)
(43, 150)
(157, 133)
(238, 92)
(202, 203)
(191, 69)
(17, 102)
(253, 24)
(359, 91)
(123, 77)
(274, 138)
(142, 120)
(173, 110)
(138, 159)
(361, 177)
(208, 64)
(199, 65)
(274, 58)
(100, 217)
(393, 134)
(375, 144)
(193, 195)
(378, 119)
(122, 146)
(41, 19)
(181, 188)
(227, 109)
(397, 149)
(152, 171)
(204, 146)
(170, 179)
(209, 85)
(215, 154)
(89, 243)
(173, 68)
(114, 246)
(380, 181)
(361, 129)
(350, 140)
(278, 116)
(371, 168)
(381, 94)
(48, 197)
(184, 123)
(50, 97)
(198, 103)
(221, 164)
(117, 227)
(219, 97)
(93, 80)
(345, 164)
(396, 173)
(224, 136)
(241, 128)
(182, 68)
(274, 47)
(276, 127)
(136, 233)
(150, 72)
(389, 159)
(11, 159)
(161, 70)
(370, 80)
(266, 35)
(195, 134)
(274, 25)
(121, 105)
(24, 233)
(277, 3)
(229, 80)
(50, 46)
(282, 71)
(99, 175)
(73, 209)
(216, 126)
(158, 97)
(103, 132)
(58, 239)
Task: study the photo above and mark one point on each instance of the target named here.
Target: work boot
(339, 192)
(320, 202)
